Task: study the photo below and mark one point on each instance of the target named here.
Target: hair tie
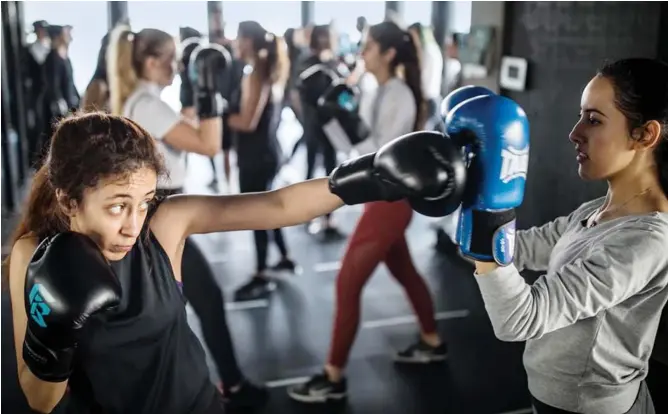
(268, 37)
(262, 53)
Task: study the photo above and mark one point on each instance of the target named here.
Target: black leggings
(257, 179)
(206, 298)
(315, 144)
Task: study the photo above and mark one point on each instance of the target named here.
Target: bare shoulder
(23, 249)
(19, 258)
(170, 221)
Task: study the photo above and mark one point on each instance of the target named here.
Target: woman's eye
(594, 121)
(116, 209)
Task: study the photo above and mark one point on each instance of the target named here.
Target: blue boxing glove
(499, 130)
(453, 99)
(460, 95)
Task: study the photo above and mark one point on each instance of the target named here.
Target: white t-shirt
(146, 108)
(432, 71)
(389, 111)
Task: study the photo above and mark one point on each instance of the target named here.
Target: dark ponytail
(43, 216)
(413, 77)
(272, 60)
(406, 62)
(641, 94)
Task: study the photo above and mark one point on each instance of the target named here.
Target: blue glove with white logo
(456, 97)
(499, 131)
(68, 281)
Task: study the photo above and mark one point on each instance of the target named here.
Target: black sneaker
(422, 353)
(319, 389)
(257, 288)
(285, 265)
(248, 396)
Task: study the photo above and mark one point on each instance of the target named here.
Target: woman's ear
(648, 135)
(390, 54)
(66, 205)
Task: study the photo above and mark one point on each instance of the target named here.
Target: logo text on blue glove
(38, 308)
(515, 163)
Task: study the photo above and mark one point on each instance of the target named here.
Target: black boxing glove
(187, 93)
(423, 167)
(68, 281)
(344, 127)
(206, 64)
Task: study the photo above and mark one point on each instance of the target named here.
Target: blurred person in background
(96, 96)
(322, 56)
(35, 55)
(431, 61)
(60, 94)
(453, 66)
(255, 119)
(296, 52)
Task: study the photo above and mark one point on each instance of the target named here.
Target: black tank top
(142, 358)
(260, 148)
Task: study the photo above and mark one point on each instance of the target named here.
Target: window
(345, 15)
(275, 16)
(168, 15)
(417, 11)
(460, 16)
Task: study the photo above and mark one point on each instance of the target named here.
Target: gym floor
(284, 340)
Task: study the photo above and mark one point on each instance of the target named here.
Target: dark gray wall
(565, 42)
(663, 32)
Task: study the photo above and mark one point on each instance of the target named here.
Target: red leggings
(378, 237)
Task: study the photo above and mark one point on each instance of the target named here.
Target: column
(9, 139)
(394, 9)
(214, 13)
(308, 13)
(117, 13)
(13, 46)
(440, 13)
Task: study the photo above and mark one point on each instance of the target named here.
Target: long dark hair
(84, 149)
(272, 63)
(641, 94)
(389, 35)
(96, 96)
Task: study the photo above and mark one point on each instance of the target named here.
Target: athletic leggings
(256, 179)
(378, 237)
(206, 298)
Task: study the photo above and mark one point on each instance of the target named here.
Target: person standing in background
(453, 66)
(230, 82)
(41, 47)
(431, 61)
(96, 96)
(35, 56)
(60, 94)
(320, 59)
(254, 118)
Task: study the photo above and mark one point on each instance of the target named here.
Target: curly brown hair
(85, 149)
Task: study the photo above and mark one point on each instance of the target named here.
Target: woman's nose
(133, 225)
(575, 136)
